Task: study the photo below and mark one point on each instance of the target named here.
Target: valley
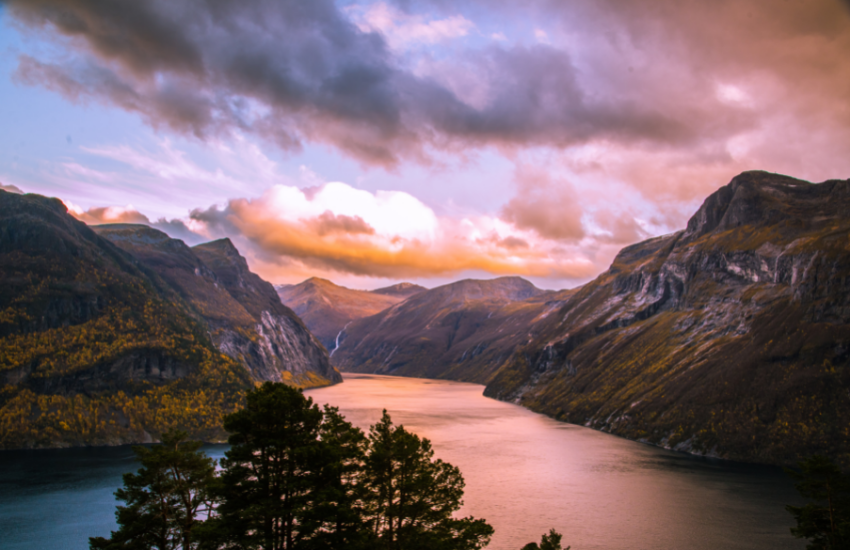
(730, 338)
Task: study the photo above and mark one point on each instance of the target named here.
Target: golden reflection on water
(526, 473)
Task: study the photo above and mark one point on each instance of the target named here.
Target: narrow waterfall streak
(336, 343)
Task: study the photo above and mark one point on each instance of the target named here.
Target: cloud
(393, 236)
(541, 36)
(546, 205)
(11, 189)
(402, 29)
(291, 72)
(328, 222)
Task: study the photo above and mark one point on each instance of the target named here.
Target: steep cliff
(729, 338)
(460, 331)
(283, 349)
(242, 313)
(96, 345)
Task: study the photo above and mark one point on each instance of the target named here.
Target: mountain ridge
(458, 330)
(100, 346)
(326, 308)
(245, 317)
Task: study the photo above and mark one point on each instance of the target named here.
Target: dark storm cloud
(293, 71)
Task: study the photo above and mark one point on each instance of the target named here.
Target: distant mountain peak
(223, 246)
(320, 282)
(327, 308)
(400, 289)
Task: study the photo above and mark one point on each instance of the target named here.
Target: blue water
(58, 498)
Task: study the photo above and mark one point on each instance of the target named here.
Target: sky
(427, 141)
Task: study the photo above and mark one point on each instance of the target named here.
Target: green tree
(335, 516)
(826, 520)
(165, 501)
(271, 487)
(552, 541)
(410, 497)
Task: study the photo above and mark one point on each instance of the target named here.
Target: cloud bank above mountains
(337, 228)
(618, 117)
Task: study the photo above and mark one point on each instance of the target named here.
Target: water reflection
(525, 474)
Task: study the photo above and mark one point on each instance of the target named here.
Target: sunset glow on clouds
(338, 229)
(470, 138)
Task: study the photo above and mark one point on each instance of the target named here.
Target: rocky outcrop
(730, 338)
(284, 344)
(242, 313)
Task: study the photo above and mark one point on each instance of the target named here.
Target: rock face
(100, 346)
(242, 312)
(462, 331)
(327, 308)
(730, 338)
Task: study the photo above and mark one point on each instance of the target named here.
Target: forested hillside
(96, 347)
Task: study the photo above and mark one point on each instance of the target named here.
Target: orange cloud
(328, 222)
(425, 246)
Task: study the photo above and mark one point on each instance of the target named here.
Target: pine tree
(295, 478)
(552, 541)
(335, 516)
(826, 520)
(270, 474)
(411, 497)
(165, 500)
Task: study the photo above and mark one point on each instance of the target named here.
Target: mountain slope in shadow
(327, 308)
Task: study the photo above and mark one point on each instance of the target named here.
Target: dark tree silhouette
(825, 521)
(410, 497)
(270, 474)
(296, 478)
(165, 501)
(552, 541)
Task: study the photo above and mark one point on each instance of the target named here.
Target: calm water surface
(524, 473)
